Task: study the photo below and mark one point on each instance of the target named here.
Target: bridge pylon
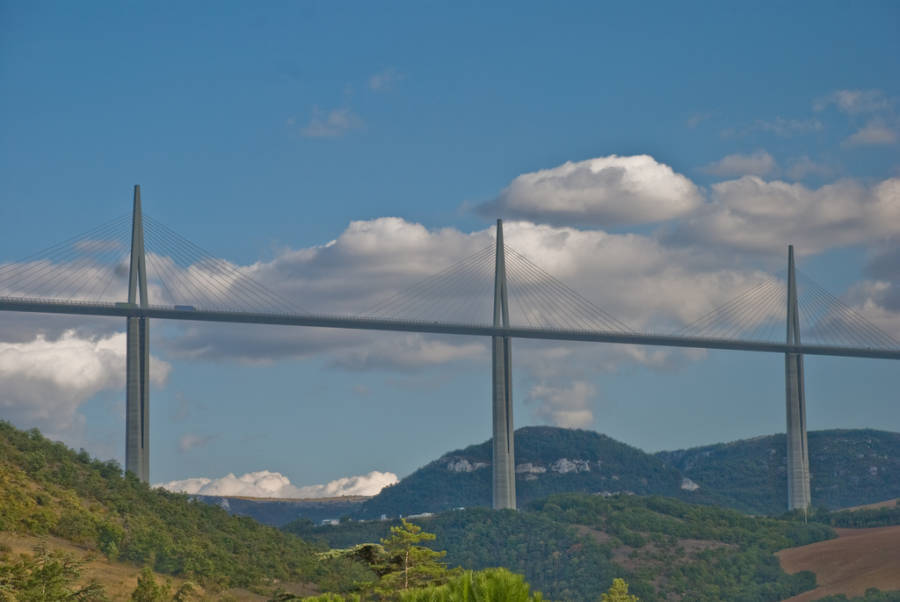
(797, 452)
(137, 356)
(504, 464)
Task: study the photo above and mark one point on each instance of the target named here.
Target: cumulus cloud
(331, 124)
(759, 163)
(751, 214)
(873, 133)
(660, 280)
(372, 262)
(44, 381)
(267, 484)
(568, 407)
(599, 192)
(877, 298)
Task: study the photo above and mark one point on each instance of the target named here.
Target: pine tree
(619, 592)
(416, 565)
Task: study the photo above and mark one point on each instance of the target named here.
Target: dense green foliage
(572, 546)
(553, 557)
(848, 467)
(696, 552)
(46, 488)
(490, 585)
(871, 595)
(876, 517)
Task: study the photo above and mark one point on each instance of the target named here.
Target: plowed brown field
(857, 560)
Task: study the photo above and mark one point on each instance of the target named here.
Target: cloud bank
(759, 163)
(710, 245)
(603, 191)
(44, 381)
(267, 484)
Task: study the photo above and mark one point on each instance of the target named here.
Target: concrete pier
(137, 357)
(504, 463)
(797, 452)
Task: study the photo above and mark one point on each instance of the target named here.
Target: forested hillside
(46, 488)
(848, 468)
(571, 546)
(548, 460)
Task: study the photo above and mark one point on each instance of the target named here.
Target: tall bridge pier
(504, 463)
(137, 356)
(797, 453)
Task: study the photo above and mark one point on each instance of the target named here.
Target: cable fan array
(93, 267)
(760, 314)
(463, 293)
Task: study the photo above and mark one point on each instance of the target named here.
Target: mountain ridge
(849, 467)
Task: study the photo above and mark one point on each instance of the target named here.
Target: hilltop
(548, 460)
(849, 468)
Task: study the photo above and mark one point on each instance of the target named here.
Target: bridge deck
(363, 323)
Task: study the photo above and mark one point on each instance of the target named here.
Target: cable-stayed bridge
(136, 268)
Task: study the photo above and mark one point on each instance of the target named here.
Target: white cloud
(384, 80)
(44, 381)
(331, 124)
(753, 215)
(601, 191)
(855, 102)
(660, 280)
(873, 133)
(759, 163)
(878, 301)
(568, 407)
(788, 127)
(266, 484)
(656, 285)
(802, 167)
(189, 441)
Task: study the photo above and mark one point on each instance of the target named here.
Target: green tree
(148, 590)
(618, 592)
(45, 576)
(416, 565)
(489, 585)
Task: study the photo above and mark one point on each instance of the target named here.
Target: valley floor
(857, 560)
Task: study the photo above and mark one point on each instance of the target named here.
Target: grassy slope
(47, 489)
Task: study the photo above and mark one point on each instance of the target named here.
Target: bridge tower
(137, 356)
(504, 464)
(797, 453)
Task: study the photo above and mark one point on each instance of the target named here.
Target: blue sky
(259, 132)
